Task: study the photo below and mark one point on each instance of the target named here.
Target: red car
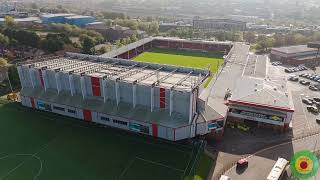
(242, 163)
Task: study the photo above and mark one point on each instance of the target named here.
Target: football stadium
(150, 95)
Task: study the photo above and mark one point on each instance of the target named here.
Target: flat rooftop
(179, 78)
(227, 78)
(294, 49)
(265, 92)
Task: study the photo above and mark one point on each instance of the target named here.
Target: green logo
(304, 164)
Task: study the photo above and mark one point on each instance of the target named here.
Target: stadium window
(71, 111)
(58, 108)
(120, 122)
(104, 118)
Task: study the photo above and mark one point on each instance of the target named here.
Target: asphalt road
(261, 163)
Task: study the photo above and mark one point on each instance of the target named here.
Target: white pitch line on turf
(33, 155)
(160, 164)
(126, 169)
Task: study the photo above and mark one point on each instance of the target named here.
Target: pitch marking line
(32, 156)
(160, 164)
(127, 168)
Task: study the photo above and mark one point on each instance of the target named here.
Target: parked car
(243, 162)
(306, 83)
(293, 78)
(318, 121)
(313, 88)
(312, 109)
(243, 127)
(316, 99)
(307, 101)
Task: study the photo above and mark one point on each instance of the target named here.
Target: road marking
(265, 149)
(255, 66)
(245, 65)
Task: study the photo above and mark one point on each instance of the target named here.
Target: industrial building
(295, 55)
(71, 19)
(218, 24)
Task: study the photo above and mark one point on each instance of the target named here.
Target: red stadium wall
(195, 46)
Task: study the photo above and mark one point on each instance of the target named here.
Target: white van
(224, 177)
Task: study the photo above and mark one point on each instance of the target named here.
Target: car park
(307, 101)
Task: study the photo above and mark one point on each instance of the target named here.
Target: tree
(14, 77)
(103, 49)
(4, 41)
(88, 44)
(119, 44)
(133, 38)
(34, 6)
(124, 41)
(128, 40)
(3, 62)
(250, 37)
(9, 21)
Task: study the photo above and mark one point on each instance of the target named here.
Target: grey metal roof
(262, 92)
(294, 49)
(227, 78)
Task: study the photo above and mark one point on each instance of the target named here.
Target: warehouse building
(79, 20)
(71, 19)
(218, 24)
(295, 55)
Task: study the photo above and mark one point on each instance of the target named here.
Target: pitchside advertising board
(138, 128)
(212, 126)
(43, 106)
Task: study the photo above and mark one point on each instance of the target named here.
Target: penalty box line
(148, 161)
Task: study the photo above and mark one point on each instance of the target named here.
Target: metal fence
(197, 151)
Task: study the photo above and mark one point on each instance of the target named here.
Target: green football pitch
(40, 145)
(183, 58)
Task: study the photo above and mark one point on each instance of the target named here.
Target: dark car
(313, 88)
(307, 101)
(316, 99)
(242, 163)
(293, 78)
(318, 121)
(306, 83)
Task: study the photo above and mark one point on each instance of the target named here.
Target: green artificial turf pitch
(183, 58)
(40, 145)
